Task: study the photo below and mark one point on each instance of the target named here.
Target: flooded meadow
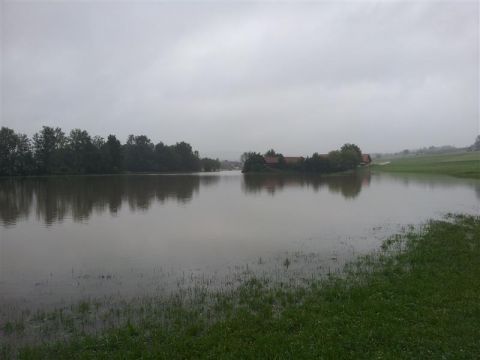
(89, 251)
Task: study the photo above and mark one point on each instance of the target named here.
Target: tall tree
(188, 159)
(24, 164)
(48, 145)
(254, 162)
(8, 147)
(112, 154)
(83, 155)
(139, 153)
(351, 156)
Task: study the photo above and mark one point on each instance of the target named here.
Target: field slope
(458, 164)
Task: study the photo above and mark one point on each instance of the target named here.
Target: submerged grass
(418, 297)
(466, 165)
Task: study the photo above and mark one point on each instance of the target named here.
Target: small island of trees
(51, 152)
(347, 158)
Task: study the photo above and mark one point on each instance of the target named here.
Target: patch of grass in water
(419, 297)
(13, 327)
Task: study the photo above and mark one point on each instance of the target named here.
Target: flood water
(65, 238)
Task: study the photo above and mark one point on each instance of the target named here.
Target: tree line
(50, 151)
(348, 157)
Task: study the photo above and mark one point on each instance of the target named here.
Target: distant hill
(431, 150)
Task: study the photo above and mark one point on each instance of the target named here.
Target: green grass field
(417, 298)
(458, 164)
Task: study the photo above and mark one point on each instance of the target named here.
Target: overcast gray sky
(229, 77)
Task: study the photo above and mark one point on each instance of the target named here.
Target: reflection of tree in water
(348, 185)
(54, 198)
(15, 200)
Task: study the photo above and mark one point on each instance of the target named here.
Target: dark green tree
(165, 158)
(139, 154)
(49, 145)
(271, 152)
(84, 157)
(8, 147)
(335, 161)
(317, 163)
(112, 155)
(15, 153)
(210, 164)
(24, 164)
(98, 141)
(351, 156)
(188, 159)
(254, 162)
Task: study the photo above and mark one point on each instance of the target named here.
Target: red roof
(293, 159)
(271, 160)
(366, 159)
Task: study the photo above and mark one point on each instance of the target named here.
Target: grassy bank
(419, 297)
(465, 165)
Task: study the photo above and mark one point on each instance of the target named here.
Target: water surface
(66, 238)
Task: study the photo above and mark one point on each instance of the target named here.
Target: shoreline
(417, 296)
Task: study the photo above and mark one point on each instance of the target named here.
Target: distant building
(274, 161)
(291, 160)
(271, 160)
(366, 159)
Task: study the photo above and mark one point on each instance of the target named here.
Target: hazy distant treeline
(51, 151)
(432, 150)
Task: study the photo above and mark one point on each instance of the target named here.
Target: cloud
(300, 77)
